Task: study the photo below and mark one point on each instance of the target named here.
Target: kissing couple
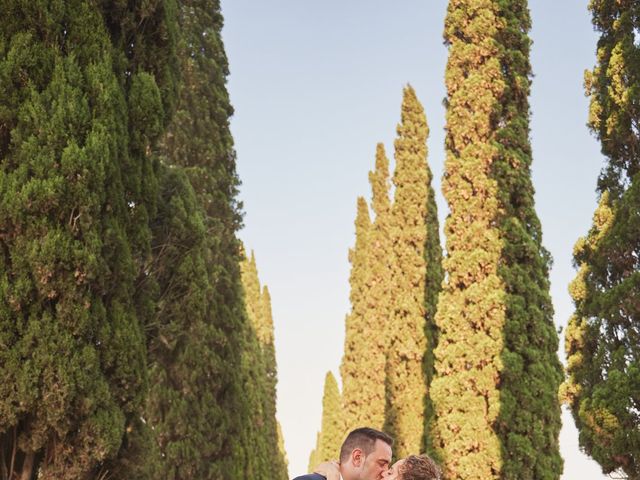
(366, 455)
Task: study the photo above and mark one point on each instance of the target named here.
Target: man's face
(377, 462)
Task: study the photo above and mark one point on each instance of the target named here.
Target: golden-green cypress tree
(363, 370)
(379, 301)
(497, 371)
(262, 363)
(282, 449)
(415, 252)
(313, 456)
(602, 336)
(331, 432)
(359, 340)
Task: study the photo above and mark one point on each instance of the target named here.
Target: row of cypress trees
(127, 349)
(395, 280)
(458, 357)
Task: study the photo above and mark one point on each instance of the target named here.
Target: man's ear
(357, 457)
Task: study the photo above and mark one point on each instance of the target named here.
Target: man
(365, 455)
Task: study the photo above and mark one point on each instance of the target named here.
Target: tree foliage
(207, 376)
(602, 337)
(331, 434)
(415, 256)
(363, 367)
(75, 233)
(261, 362)
(360, 341)
(497, 371)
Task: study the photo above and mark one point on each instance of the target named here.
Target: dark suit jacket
(311, 476)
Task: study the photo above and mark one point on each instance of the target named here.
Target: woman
(414, 467)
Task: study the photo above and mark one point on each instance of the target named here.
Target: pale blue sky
(315, 85)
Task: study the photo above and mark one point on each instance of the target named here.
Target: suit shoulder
(311, 476)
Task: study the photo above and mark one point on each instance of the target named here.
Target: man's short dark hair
(363, 438)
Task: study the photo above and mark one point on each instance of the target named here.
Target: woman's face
(394, 472)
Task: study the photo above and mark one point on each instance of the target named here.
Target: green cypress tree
(144, 39)
(359, 340)
(199, 142)
(601, 339)
(264, 365)
(254, 373)
(497, 372)
(73, 357)
(277, 454)
(416, 255)
(331, 432)
(282, 449)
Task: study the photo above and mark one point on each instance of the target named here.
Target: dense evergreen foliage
(602, 339)
(76, 192)
(363, 364)
(212, 352)
(119, 263)
(331, 434)
(497, 371)
(261, 363)
(176, 359)
(360, 341)
(416, 255)
(395, 279)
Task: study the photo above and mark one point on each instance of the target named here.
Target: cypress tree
(144, 38)
(281, 448)
(73, 363)
(263, 363)
(331, 432)
(601, 339)
(224, 382)
(277, 454)
(359, 340)
(497, 372)
(313, 456)
(416, 255)
(363, 371)
(379, 301)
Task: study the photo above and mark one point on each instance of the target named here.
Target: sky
(315, 85)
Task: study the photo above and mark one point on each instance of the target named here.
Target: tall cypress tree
(497, 372)
(416, 255)
(282, 449)
(199, 142)
(331, 432)
(73, 367)
(602, 342)
(363, 367)
(263, 363)
(354, 369)
(379, 301)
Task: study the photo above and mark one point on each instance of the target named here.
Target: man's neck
(345, 474)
